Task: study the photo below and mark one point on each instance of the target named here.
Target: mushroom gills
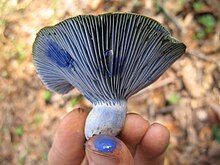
(108, 57)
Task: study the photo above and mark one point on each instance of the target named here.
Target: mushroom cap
(107, 57)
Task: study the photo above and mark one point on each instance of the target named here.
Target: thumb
(108, 150)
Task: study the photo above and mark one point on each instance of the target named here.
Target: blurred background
(186, 98)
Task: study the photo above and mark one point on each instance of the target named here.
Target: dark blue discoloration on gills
(108, 54)
(59, 55)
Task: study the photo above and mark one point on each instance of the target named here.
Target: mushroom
(108, 58)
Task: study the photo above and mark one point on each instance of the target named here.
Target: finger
(69, 139)
(85, 161)
(153, 145)
(133, 131)
(107, 150)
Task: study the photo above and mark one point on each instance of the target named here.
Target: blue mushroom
(108, 57)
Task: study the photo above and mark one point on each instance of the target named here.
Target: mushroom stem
(106, 118)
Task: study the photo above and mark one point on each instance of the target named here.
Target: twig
(156, 85)
(171, 18)
(200, 56)
(166, 110)
(215, 107)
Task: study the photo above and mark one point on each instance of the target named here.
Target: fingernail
(105, 144)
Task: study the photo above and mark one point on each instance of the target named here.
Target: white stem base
(106, 118)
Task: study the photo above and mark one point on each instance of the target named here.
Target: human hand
(139, 143)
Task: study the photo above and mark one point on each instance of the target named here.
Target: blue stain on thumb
(105, 144)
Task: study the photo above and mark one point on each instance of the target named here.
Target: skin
(139, 143)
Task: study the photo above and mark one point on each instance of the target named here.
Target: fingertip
(69, 133)
(105, 149)
(71, 124)
(153, 145)
(155, 140)
(133, 131)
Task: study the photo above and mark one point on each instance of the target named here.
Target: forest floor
(186, 99)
